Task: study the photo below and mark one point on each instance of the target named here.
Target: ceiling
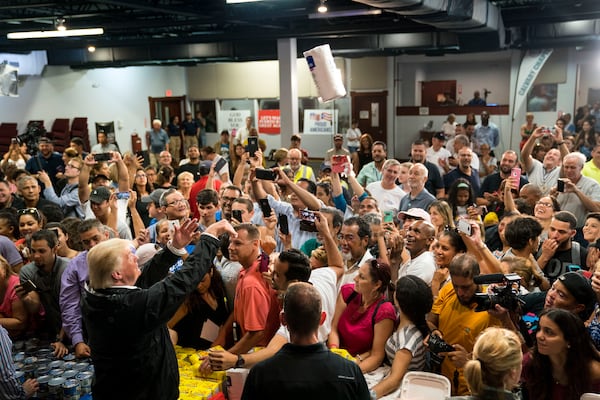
(186, 32)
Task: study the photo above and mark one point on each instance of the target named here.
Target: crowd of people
(481, 267)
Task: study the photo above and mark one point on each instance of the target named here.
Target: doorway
(164, 108)
(370, 110)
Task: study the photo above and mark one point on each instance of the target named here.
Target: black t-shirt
(565, 261)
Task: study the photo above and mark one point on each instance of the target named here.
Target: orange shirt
(256, 307)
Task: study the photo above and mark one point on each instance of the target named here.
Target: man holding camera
(453, 318)
(68, 201)
(300, 199)
(579, 193)
(543, 174)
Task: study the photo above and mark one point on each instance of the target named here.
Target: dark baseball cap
(154, 197)
(100, 194)
(439, 135)
(580, 288)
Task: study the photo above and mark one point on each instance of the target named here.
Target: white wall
(496, 72)
(101, 95)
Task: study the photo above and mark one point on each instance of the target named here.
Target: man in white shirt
(437, 151)
(419, 237)
(543, 174)
(385, 191)
(103, 146)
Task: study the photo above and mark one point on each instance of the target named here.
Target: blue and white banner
(532, 63)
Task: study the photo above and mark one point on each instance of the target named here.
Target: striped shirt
(411, 339)
(10, 388)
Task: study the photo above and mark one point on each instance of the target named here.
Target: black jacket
(131, 350)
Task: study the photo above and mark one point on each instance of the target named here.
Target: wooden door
(370, 110)
(164, 108)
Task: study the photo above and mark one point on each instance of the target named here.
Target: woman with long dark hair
(564, 363)
(364, 318)
(206, 305)
(448, 245)
(142, 187)
(586, 139)
(405, 349)
(363, 155)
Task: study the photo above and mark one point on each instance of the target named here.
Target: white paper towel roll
(327, 77)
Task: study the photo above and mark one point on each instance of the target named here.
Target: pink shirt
(356, 328)
(9, 297)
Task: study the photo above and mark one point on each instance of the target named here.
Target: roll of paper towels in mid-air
(327, 77)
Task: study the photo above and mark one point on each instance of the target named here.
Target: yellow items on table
(193, 385)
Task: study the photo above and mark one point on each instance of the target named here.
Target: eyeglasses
(140, 175)
(228, 199)
(347, 238)
(176, 202)
(542, 203)
(30, 211)
(73, 166)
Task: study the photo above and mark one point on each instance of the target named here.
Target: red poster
(269, 122)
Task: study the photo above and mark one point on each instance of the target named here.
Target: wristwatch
(240, 362)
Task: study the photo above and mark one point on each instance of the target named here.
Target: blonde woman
(185, 180)
(441, 216)
(495, 369)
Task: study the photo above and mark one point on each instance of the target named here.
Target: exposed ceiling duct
(167, 31)
(471, 18)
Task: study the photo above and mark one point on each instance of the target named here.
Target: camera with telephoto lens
(504, 291)
(437, 345)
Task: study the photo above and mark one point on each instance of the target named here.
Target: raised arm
(84, 178)
(309, 200)
(509, 201)
(122, 171)
(527, 149)
(136, 220)
(334, 257)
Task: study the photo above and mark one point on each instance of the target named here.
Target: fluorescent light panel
(241, 1)
(55, 34)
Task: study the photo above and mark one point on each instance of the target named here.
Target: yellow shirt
(591, 171)
(459, 325)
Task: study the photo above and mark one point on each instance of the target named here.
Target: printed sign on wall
(320, 121)
(232, 119)
(269, 121)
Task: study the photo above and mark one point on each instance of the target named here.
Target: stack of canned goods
(66, 379)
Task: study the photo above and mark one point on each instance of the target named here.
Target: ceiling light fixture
(322, 8)
(60, 24)
(91, 48)
(55, 34)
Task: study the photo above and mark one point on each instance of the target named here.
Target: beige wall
(369, 73)
(258, 79)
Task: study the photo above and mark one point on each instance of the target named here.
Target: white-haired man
(418, 197)
(581, 194)
(126, 311)
(157, 140)
(385, 191)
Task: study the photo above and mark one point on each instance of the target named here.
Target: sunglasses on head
(30, 211)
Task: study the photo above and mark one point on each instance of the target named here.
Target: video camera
(437, 345)
(505, 291)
